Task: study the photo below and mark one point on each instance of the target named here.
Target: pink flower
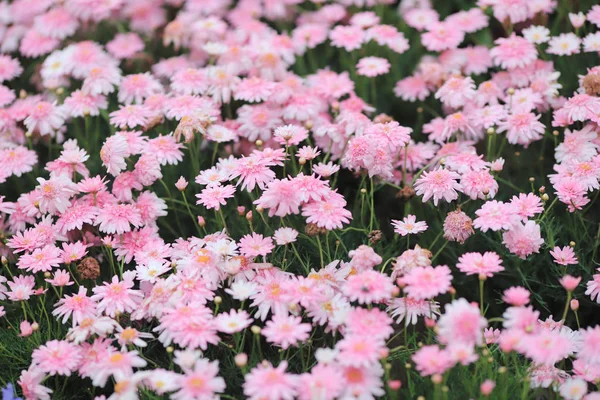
(281, 198)
(286, 331)
(216, 196)
(57, 357)
(593, 288)
(458, 226)
(265, 382)
(487, 387)
(522, 128)
(118, 218)
(569, 282)
(31, 384)
(46, 118)
(359, 350)
(135, 88)
(409, 310)
(255, 245)
(61, 278)
(523, 240)
(427, 282)
(21, 288)
(43, 259)
(131, 116)
(285, 236)
(117, 295)
(513, 52)
(113, 154)
(10, 68)
(590, 345)
(368, 287)
(442, 36)
(25, 328)
(125, 45)
(488, 264)
(254, 89)
(456, 91)
(439, 184)
(516, 296)
(200, 382)
(547, 347)
(326, 380)
(328, 213)
(54, 194)
(372, 66)
(78, 305)
(430, 360)
(494, 215)
(461, 323)
(348, 37)
(409, 225)
(527, 205)
(564, 256)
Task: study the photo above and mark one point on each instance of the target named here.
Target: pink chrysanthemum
(439, 184)
(488, 264)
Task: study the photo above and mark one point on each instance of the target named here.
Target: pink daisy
(439, 184)
(213, 197)
(488, 264)
(368, 287)
(409, 225)
(264, 382)
(200, 382)
(286, 330)
(57, 357)
(117, 218)
(564, 256)
(372, 66)
(255, 244)
(427, 282)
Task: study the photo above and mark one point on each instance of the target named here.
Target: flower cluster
(205, 199)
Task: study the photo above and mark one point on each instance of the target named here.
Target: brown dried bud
(374, 237)
(88, 268)
(382, 119)
(406, 193)
(153, 122)
(591, 84)
(312, 229)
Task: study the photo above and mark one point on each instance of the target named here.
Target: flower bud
(574, 304)
(201, 221)
(241, 360)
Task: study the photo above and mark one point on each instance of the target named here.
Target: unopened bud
(47, 274)
(241, 210)
(249, 215)
(4, 260)
(260, 209)
(255, 329)
(241, 360)
(363, 191)
(201, 221)
(218, 300)
(35, 326)
(574, 304)
(302, 161)
(545, 197)
(572, 243)
(259, 142)
(510, 91)
(491, 131)
(437, 379)
(170, 349)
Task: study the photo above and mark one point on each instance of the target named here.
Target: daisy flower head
(285, 330)
(57, 357)
(372, 66)
(213, 197)
(488, 264)
(438, 184)
(523, 239)
(409, 225)
(45, 118)
(513, 52)
(565, 44)
(255, 244)
(423, 283)
(461, 322)
(270, 383)
(368, 287)
(564, 255)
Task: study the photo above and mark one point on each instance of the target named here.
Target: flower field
(288, 199)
